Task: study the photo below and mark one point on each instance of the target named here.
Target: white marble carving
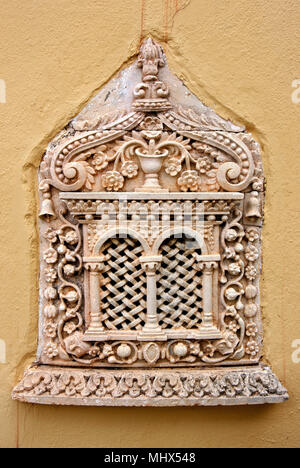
(151, 219)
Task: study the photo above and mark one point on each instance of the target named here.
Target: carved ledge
(168, 387)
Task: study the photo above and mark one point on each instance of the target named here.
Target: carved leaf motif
(102, 121)
(90, 387)
(239, 354)
(90, 179)
(207, 120)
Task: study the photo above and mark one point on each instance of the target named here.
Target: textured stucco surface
(239, 57)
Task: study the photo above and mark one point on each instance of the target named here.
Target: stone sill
(160, 387)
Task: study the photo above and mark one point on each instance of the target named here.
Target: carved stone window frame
(165, 167)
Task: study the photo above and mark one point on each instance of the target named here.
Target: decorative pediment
(151, 218)
(157, 144)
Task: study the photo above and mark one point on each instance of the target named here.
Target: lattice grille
(123, 286)
(179, 286)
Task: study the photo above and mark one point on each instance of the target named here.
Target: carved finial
(151, 94)
(150, 59)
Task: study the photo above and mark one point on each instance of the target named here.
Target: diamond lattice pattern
(123, 286)
(179, 285)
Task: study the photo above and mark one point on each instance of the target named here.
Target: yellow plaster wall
(240, 56)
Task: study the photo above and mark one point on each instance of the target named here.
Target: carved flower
(233, 326)
(51, 235)
(251, 329)
(209, 350)
(69, 328)
(129, 169)
(50, 329)
(252, 253)
(234, 269)
(231, 235)
(252, 349)
(51, 350)
(69, 270)
(113, 181)
(251, 273)
(71, 237)
(204, 165)
(50, 311)
(50, 293)
(189, 180)
(100, 160)
(50, 256)
(252, 235)
(50, 275)
(151, 123)
(173, 167)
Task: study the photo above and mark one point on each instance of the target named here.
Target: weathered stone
(160, 387)
(151, 218)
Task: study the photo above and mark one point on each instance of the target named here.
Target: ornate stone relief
(151, 219)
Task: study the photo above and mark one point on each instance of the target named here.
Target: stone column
(151, 330)
(207, 286)
(94, 266)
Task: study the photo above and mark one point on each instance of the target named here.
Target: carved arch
(185, 230)
(121, 231)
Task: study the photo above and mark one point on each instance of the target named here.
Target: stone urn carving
(151, 165)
